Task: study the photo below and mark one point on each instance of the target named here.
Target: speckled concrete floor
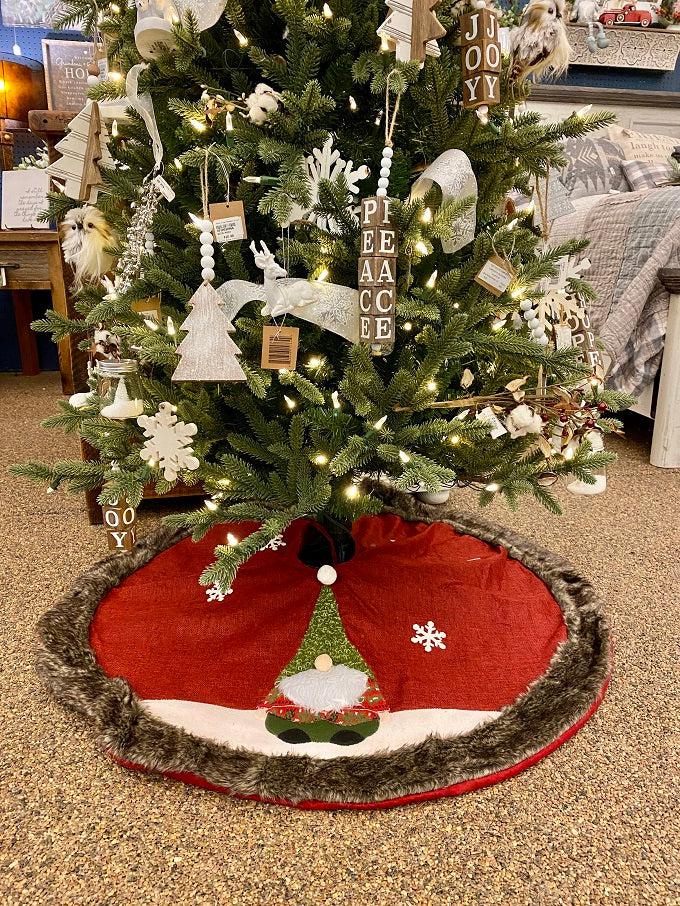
(596, 822)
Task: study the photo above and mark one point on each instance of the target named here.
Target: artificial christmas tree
(301, 112)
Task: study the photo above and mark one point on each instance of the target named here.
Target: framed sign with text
(66, 73)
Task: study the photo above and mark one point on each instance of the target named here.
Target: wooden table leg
(23, 315)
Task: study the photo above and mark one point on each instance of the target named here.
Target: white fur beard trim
(331, 690)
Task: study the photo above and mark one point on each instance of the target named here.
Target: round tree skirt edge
(522, 665)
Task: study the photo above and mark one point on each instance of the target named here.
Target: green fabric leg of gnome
(327, 693)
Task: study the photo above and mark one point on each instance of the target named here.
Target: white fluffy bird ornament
(85, 236)
(540, 43)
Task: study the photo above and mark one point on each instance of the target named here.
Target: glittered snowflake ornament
(169, 442)
(326, 164)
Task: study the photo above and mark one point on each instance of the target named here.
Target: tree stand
(444, 656)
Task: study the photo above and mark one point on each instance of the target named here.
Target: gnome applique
(327, 693)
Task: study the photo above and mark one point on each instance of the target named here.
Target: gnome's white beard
(331, 690)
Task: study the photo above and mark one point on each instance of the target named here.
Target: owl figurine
(539, 43)
(85, 237)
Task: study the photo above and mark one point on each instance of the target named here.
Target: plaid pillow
(642, 174)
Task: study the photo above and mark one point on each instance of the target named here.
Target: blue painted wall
(642, 79)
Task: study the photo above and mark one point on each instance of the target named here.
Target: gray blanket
(632, 236)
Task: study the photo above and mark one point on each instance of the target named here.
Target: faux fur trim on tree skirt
(556, 703)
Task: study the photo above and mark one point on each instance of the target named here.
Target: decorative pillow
(640, 146)
(641, 174)
(593, 167)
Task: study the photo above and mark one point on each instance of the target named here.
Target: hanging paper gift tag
(279, 347)
(148, 308)
(496, 275)
(165, 188)
(120, 521)
(229, 221)
(496, 427)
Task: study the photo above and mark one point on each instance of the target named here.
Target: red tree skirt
(177, 682)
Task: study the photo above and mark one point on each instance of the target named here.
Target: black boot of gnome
(326, 543)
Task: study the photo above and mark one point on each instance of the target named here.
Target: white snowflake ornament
(428, 636)
(275, 543)
(169, 442)
(326, 163)
(215, 593)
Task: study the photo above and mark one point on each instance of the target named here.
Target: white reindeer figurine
(281, 295)
(329, 305)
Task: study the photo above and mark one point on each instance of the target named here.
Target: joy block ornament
(481, 49)
(120, 520)
(377, 275)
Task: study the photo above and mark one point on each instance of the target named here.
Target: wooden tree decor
(82, 150)
(481, 50)
(377, 275)
(414, 28)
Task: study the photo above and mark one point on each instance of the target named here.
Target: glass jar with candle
(119, 382)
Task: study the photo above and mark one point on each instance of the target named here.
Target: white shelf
(630, 47)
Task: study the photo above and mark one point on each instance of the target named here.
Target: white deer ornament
(333, 307)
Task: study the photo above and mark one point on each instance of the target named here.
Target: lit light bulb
(327, 11)
(431, 386)
(408, 327)
(2, 85)
(178, 164)
(232, 540)
(517, 292)
(380, 424)
(224, 482)
(151, 324)
(241, 38)
(115, 9)
(151, 463)
(498, 323)
(384, 43)
(323, 275)
(114, 129)
(336, 400)
(493, 487)
(197, 125)
(404, 457)
(352, 491)
(454, 439)
(456, 304)
(432, 280)
(353, 106)
(321, 459)
(115, 76)
(512, 224)
(569, 453)
(426, 216)
(314, 362)
(50, 490)
(211, 505)
(170, 325)
(421, 248)
(229, 122)
(290, 402)
(584, 111)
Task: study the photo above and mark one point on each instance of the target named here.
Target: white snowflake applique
(428, 636)
(169, 442)
(275, 543)
(326, 163)
(215, 593)
(557, 301)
